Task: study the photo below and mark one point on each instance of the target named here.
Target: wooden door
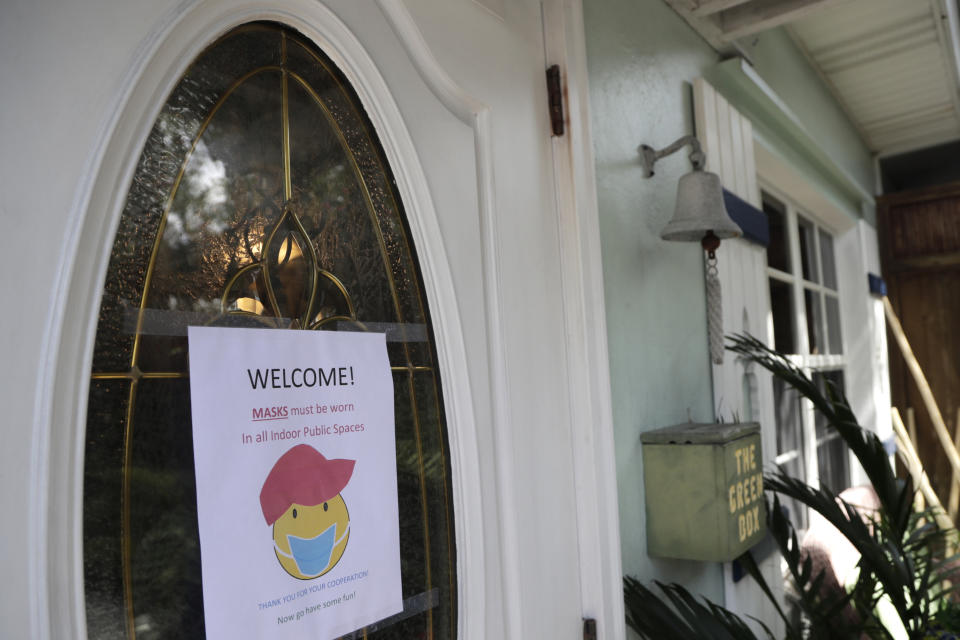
(920, 250)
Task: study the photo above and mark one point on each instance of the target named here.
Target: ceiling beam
(706, 26)
(758, 15)
(710, 7)
(721, 22)
(683, 6)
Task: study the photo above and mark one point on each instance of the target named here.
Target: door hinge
(555, 98)
(589, 629)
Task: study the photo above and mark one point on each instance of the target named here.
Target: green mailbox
(704, 490)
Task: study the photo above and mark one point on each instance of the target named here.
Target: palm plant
(688, 618)
(901, 549)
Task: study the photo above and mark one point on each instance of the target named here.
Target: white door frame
(578, 219)
(57, 607)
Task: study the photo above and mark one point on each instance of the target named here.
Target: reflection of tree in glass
(335, 213)
(164, 548)
(205, 183)
(233, 171)
(221, 237)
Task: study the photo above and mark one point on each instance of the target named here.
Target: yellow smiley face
(302, 537)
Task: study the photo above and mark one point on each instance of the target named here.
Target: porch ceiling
(891, 64)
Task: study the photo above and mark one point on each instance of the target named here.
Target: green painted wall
(641, 58)
(785, 69)
(812, 132)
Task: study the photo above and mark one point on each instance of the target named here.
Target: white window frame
(809, 363)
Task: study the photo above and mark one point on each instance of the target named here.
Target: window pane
(102, 485)
(814, 322)
(821, 379)
(827, 258)
(778, 252)
(789, 431)
(781, 305)
(163, 534)
(791, 455)
(833, 466)
(833, 323)
(808, 254)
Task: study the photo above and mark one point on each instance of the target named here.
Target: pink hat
(303, 476)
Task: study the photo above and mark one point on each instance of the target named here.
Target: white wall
(864, 333)
(57, 106)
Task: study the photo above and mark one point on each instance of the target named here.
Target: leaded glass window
(261, 198)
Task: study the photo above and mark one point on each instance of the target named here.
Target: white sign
(293, 437)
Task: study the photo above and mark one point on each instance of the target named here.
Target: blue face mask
(312, 555)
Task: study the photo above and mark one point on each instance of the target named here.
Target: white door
(503, 224)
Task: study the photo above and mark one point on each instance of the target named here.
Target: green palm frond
(686, 618)
(900, 548)
(895, 494)
(750, 566)
(823, 609)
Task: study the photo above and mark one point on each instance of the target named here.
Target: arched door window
(262, 198)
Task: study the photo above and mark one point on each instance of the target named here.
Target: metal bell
(700, 210)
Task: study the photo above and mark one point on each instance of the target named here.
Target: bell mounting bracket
(649, 155)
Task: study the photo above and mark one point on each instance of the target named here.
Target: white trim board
(773, 169)
(589, 399)
(741, 391)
